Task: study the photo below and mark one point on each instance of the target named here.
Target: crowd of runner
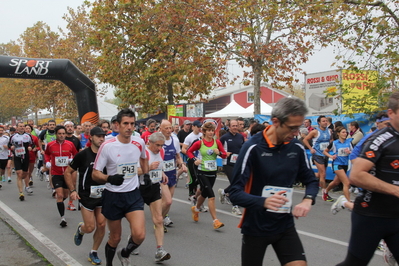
(115, 167)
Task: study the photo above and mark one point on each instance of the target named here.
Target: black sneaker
(30, 182)
(77, 238)
(63, 223)
(21, 197)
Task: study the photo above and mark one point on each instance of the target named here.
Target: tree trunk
(257, 79)
(170, 94)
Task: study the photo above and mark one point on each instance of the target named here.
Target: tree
(150, 54)
(364, 33)
(270, 37)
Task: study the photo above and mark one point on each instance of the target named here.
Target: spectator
(355, 132)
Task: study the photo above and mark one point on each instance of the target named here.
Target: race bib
(169, 165)
(342, 152)
(96, 191)
(269, 191)
(210, 165)
(155, 176)
(323, 146)
(233, 158)
(127, 169)
(19, 151)
(61, 161)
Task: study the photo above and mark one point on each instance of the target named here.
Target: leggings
(207, 180)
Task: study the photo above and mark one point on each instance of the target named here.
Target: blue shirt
(338, 148)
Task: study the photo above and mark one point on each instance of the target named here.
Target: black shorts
(59, 181)
(21, 164)
(206, 181)
(90, 203)
(340, 167)
(3, 164)
(287, 245)
(151, 193)
(117, 204)
(320, 159)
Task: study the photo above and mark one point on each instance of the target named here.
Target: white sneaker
(388, 257)
(227, 199)
(221, 195)
(193, 200)
(356, 191)
(236, 210)
(203, 208)
(124, 261)
(338, 205)
(47, 178)
(167, 221)
(28, 190)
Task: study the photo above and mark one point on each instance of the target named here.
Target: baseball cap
(197, 123)
(187, 122)
(113, 119)
(97, 131)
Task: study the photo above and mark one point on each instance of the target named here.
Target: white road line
(57, 251)
(327, 239)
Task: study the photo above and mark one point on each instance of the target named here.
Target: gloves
(48, 165)
(116, 180)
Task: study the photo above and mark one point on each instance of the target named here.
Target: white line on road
(57, 251)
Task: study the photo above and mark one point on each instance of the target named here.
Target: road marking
(56, 250)
(327, 239)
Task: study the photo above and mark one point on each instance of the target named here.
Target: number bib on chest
(155, 176)
(233, 158)
(19, 151)
(61, 161)
(269, 191)
(210, 165)
(127, 169)
(96, 191)
(342, 152)
(323, 146)
(169, 165)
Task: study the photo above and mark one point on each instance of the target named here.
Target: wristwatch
(310, 197)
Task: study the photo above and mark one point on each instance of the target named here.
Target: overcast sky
(17, 15)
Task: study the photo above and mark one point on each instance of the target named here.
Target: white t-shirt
(121, 158)
(155, 174)
(191, 138)
(4, 151)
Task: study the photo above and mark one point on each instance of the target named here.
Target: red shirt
(59, 154)
(146, 135)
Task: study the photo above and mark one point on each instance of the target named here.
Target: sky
(18, 15)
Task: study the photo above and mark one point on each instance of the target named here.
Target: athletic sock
(61, 208)
(129, 248)
(109, 254)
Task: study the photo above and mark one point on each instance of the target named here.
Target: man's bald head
(166, 128)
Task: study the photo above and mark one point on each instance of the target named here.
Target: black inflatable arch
(55, 69)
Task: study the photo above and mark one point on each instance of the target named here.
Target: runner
(57, 156)
(89, 194)
(32, 155)
(172, 160)
(46, 136)
(121, 156)
(232, 142)
(84, 137)
(209, 149)
(151, 123)
(265, 171)
(20, 144)
(341, 149)
(150, 189)
(375, 213)
(4, 139)
(321, 138)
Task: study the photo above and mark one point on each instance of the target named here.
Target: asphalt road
(324, 235)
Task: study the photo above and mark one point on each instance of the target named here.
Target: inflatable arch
(55, 69)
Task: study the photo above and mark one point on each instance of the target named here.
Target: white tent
(233, 109)
(106, 110)
(265, 109)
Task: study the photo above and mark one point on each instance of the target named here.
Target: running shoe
(47, 178)
(93, 258)
(326, 197)
(217, 224)
(227, 199)
(77, 238)
(338, 205)
(21, 197)
(203, 208)
(165, 230)
(388, 257)
(193, 200)
(186, 185)
(161, 255)
(167, 221)
(28, 190)
(71, 207)
(30, 182)
(1, 185)
(63, 223)
(195, 214)
(124, 261)
(136, 252)
(40, 175)
(3, 178)
(236, 210)
(9, 180)
(53, 194)
(221, 195)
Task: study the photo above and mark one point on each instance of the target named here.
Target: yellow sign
(356, 85)
(171, 111)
